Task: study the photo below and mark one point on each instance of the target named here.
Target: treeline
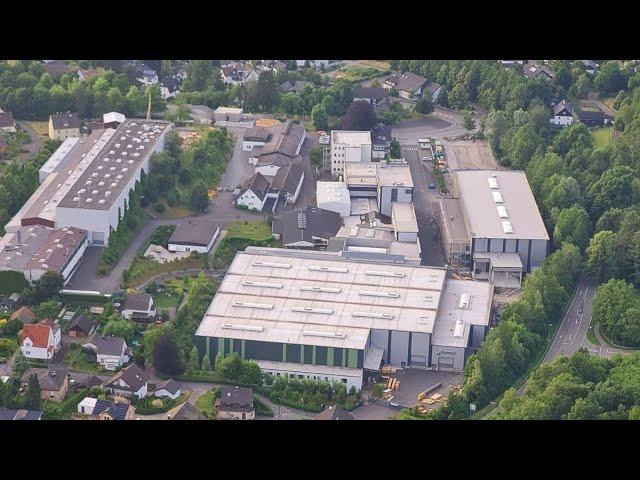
(183, 177)
(18, 183)
(32, 94)
(580, 387)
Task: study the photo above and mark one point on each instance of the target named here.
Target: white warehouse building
(100, 194)
(339, 316)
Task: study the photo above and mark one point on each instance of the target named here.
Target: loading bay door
(445, 363)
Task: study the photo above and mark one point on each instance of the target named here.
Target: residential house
(511, 63)
(408, 85)
(129, 382)
(590, 67)
(54, 382)
(537, 71)
(380, 142)
(97, 409)
(295, 87)
(288, 182)
(238, 73)
(334, 412)
(56, 68)
(375, 96)
(169, 88)
(41, 340)
(274, 65)
(168, 388)
(9, 414)
(253, 194)
(269, 165)
(591, 117)
(309, 228)
(87, 74)
(7, 123)
(111, 352)
(317, 64)
(194, 236)
(64, 125)
(138, 306)
(562, 114)
(147, 76)
(235, 403)
(181, 74)
(81, 326)
(24, 314)
(434, 90)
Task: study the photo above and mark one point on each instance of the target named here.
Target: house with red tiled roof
(40, 340)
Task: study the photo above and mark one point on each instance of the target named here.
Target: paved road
(31, 148)
(443, 123)
(423, 202)
(572, 333)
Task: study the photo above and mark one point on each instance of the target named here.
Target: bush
(159, 207)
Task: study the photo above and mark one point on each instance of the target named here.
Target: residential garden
(239, 236)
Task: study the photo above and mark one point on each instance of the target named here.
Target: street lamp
(549, 332)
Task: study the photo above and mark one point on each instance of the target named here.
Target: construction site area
(410, 388)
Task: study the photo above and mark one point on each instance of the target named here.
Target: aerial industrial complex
(84, 192)
(336, 316)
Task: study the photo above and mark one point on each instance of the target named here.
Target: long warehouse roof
(321, 298)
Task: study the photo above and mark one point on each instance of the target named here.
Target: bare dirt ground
(467, 154)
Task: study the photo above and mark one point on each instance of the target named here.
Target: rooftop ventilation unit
(353, 232)
(271, 264)
(497, 197)
(94, 192)
(382, 273)
(323, 311)
(506, 226)
(386, 316)
(250, 328)
(493, 183)
(370, 233)
(316, 333)
(465, 299)
(316, 288)
(458, 329)
(502, 211)
(89, 200)
(250, 283)
(262, 306)
(101, 201)
(323, 268)
(372, 293)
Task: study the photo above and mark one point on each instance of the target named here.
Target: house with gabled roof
(98, 409)
(41, 340)
(562, 114)
(129, 382)
(254, 192)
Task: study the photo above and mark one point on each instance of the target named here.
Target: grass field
(170, 213)
(258, 230)
(206, 404)
(355, 73)
(41, 128)
(601, 136)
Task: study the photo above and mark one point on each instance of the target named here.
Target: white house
(111, 352)
(268, 165)
(41, 340)
(138, 306)
(129, 382)
(194, 236)
(562, 114)
(168, 388)
(147, 76)
(254, 192)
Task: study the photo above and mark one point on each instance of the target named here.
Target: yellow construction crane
(149, 109)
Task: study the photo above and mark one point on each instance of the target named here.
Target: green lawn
(255, 230)
(166, 300)
(206, 404)
(601, 136)
(76, 360)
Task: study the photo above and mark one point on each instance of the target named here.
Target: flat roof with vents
(113, 164)
(290, 293)
(481, 205)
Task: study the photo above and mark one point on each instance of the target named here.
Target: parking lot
(238, 169)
